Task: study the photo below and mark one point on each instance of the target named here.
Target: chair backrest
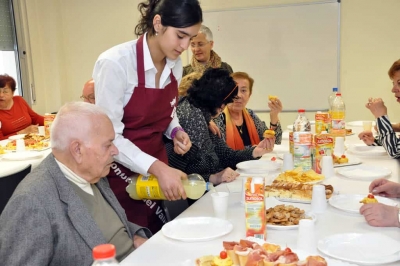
(174, 208)
(9, 183)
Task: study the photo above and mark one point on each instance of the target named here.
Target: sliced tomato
(273, 159)
(371, 196)
(343, 156)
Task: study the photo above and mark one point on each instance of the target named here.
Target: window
(13, 49)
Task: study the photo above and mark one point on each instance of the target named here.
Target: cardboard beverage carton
(255, 208)
(324, 144)
(322, 122)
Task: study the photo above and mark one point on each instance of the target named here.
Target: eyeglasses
(5, 91)
(89, 98)
(199, 45)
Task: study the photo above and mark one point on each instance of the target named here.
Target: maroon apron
(146, 117)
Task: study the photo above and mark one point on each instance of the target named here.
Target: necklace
(240, 129)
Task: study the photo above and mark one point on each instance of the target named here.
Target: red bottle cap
(338, 94)
(301, 110)
(104, 251)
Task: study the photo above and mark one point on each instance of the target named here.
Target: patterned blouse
(387, 137)
(209, 154)
(220, 121)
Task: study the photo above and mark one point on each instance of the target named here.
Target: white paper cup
(327, 166)
(306, 239)
(220, 204)
(339, 146)
(287, 162)
(20, 145)
(41, 130)
(318, 200)
(367, 125)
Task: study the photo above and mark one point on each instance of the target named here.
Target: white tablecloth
(160, 250)
(9, 167)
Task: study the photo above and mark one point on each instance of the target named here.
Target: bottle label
(339, 127)
(147, 187)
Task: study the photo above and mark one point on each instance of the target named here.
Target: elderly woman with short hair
(16, 117)
(240, 127)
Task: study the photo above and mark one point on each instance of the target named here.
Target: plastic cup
(20, 145)
(306, 239)
(318, 200)
(244, 180)
(327, 166)
(339, 146)
(367, 125)
(288, 162)
(220, 203)
(41, 130)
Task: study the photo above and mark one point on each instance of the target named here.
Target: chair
(174, 208)
(9, 183)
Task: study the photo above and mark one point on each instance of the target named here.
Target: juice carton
(324, 144)
(322, 122)
(255, 208)
(302, 148)
(48, 120)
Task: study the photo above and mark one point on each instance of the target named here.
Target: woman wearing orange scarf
(241, 127)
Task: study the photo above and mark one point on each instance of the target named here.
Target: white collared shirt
(115, 77)
(74, 178)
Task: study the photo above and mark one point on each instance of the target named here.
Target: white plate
(19, 136)
(21, 156)
(358, 123)
(351, 202)
(365, 172)
(365, 249)
(258, 166)
(364, 150)
(352, 161)
(193, 229)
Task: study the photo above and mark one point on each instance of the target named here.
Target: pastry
(269, 134)
(272, 98)
(369, 199)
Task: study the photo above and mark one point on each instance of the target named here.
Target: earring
(156, 33)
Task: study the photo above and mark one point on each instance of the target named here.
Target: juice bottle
(338, 116)
(322, 122)
(147, 187)
(302, 150)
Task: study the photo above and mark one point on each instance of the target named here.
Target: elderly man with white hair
(203, 54)
(64, 207)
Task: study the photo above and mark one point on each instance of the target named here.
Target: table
(10, 167)
(160, 250)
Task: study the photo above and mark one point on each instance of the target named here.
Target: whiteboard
(291, 51)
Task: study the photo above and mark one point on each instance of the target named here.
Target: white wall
(67, 37)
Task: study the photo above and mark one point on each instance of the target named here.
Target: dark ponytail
(174, 13)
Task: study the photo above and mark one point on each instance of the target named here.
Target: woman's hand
(385, 188)
(367, 137)
(182, 143)
(265, 146)
(227, 175)
(276, 108)
(170, 180)
(214, 128)
(29, 129)
(377, 107)
(378, 214)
